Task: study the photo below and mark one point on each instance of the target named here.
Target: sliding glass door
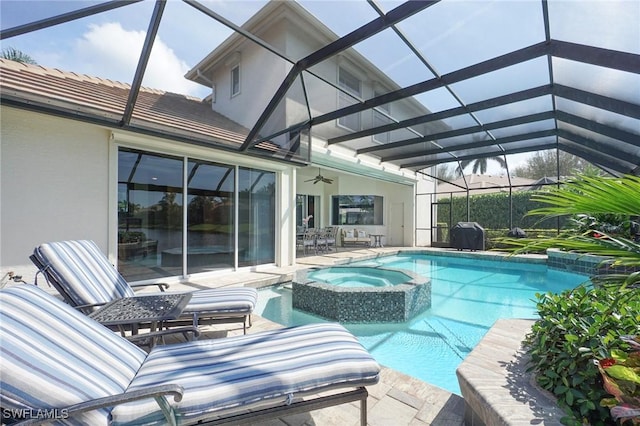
(152, 215)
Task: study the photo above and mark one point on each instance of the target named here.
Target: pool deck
(397, 400)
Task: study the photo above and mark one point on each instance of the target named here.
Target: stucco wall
(261, 73)
(54, 185)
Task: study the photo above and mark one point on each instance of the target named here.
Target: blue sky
(108, 45)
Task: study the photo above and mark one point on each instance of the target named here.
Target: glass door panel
(256, 217)
(210, 216)
(150, 215)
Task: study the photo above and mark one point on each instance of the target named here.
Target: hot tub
(344, 276)
(361, 294)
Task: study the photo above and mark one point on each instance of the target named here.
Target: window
(356, 210)
(380, 118)
(351, 84)
(235, 80)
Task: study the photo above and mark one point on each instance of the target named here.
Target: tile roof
(104, 101)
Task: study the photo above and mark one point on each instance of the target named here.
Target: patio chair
(59, 365)
(308, 241)
(332, 237)
(86, 279)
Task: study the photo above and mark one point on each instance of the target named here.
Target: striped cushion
(239, 373)
(54, 356)
(231, 301)
(85, 274)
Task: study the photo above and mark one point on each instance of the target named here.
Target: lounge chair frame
(52, 278)
(298, 407)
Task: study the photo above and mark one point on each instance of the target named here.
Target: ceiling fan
(320, 178)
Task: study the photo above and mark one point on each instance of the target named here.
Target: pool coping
(495, 386)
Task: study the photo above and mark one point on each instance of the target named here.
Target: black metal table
(153, 309)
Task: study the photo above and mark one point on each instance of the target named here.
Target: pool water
(468, 296)
(358, 276)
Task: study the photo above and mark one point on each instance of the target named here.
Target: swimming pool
(467, 296)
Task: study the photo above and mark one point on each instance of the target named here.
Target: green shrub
(491, 211)
(131, 237)
(576, 327)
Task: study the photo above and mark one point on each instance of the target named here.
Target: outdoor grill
(467, 235)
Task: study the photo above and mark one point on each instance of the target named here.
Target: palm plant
(588, 198)
(480, 164)
(14, 54)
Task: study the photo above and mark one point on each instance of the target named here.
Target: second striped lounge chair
(86, 279)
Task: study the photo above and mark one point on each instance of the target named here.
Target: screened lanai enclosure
(474, 80)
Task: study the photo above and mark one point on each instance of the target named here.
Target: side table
(154, 309)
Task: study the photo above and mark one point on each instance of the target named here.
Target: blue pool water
(358, 276)
(468, 296)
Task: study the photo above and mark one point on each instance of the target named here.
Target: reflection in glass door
(306, 210)
(256, 217)
(210, 216)
(150, 215)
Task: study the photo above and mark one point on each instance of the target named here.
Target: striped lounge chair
(86, 279)
(59, 364)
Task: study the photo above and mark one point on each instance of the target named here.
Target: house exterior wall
(261, 72)
(58, 182)
(54, 180)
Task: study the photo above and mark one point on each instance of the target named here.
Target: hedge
(491, 211)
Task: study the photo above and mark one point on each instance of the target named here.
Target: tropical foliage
(591, 200)
(621, 375)
(553, 163)
(479, 165)
(575, 328)
(588, 324)
(13, 54)
(492, 211)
